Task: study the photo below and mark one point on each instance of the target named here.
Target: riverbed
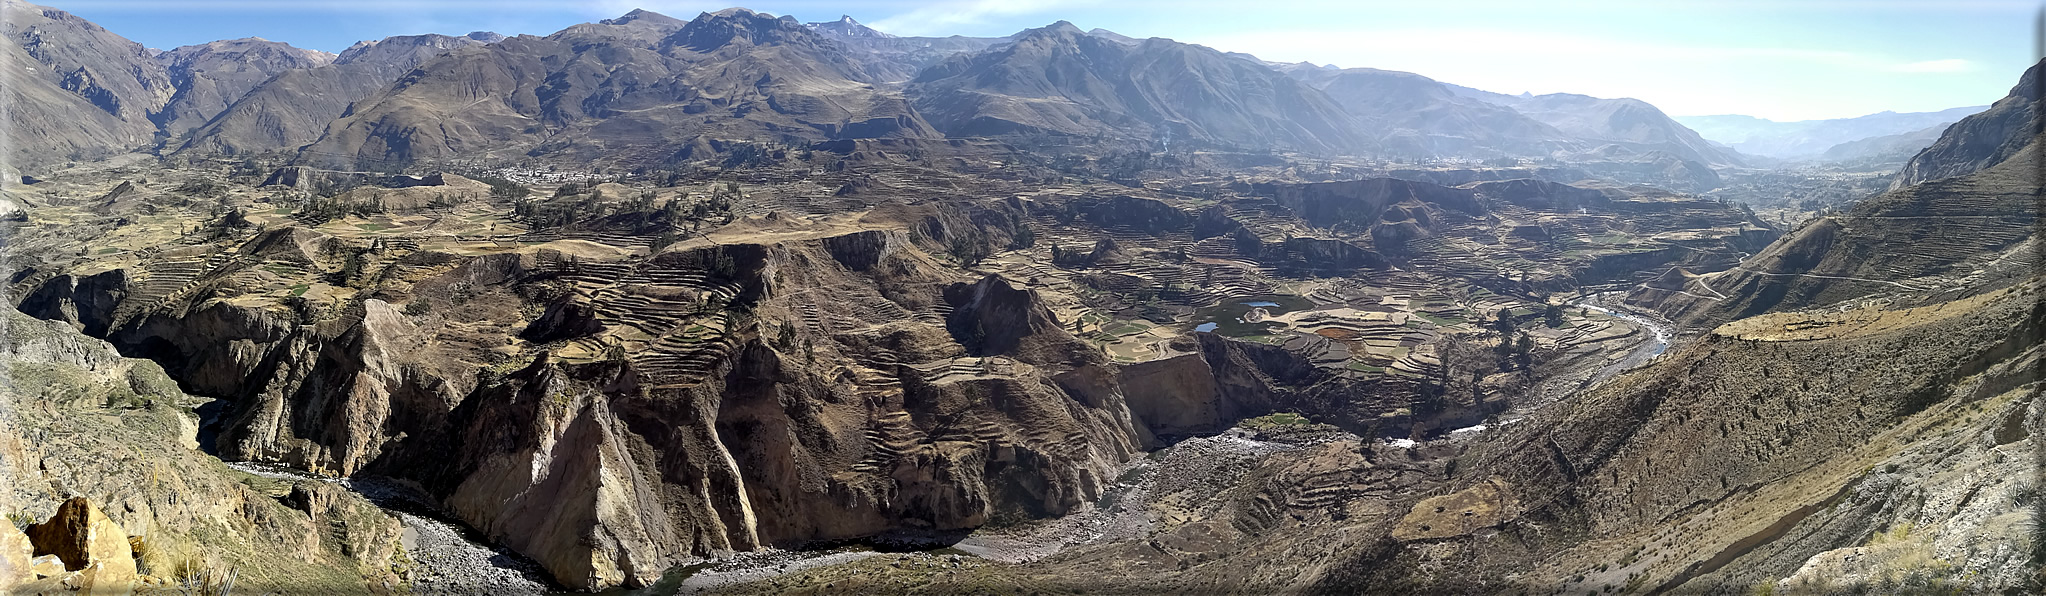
(1641, 354)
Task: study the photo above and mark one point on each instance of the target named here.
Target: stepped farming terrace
(933, 319)
(1365, 279)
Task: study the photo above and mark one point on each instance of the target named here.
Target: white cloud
(947, 17)
(1947, 65)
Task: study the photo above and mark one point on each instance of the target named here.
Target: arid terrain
(739, 304)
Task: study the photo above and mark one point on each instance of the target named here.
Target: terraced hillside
(1923, 243)
(922, 362)
(737, 304)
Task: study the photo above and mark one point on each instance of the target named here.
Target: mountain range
(646, 88)
(1812, 138)
(1059, 79)
(741, 304)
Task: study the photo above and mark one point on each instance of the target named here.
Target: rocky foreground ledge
(79, 549)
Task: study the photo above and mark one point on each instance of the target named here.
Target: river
(1641, 354)
(1660, 334)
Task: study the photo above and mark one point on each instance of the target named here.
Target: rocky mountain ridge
(725, 305)
(626, 89)
(1419, 117)
(210, 77)
(266, 97)
(1059, 79)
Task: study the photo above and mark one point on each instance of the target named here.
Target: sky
(1778, 59)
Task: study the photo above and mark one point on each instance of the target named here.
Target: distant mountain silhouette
(1807, 138)
(1059, 79)
(1415, 116)
(1625, 126)
(642, 87)
(293, 108)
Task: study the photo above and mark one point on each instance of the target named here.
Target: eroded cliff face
(79, 420)
(790, 393)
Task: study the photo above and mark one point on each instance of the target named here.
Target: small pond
(1227, 318)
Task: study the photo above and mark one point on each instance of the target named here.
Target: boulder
(83, 537)
(16, 558)
(105, 577)
(46, 566)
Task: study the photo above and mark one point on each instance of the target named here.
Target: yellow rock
(106, 577)
(15, 556)
(83, 537)
(47, 566)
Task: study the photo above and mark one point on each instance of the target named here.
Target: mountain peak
(1060, 29)
(639, 15)
(736, 11)
(712, 30)
(845, 26)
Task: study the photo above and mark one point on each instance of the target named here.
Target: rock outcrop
(172, 499)
(88, 543)
(1981, 140)
(991, 317)
(610, 469)
(17, 556)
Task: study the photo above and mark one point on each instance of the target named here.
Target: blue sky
(1783, 59)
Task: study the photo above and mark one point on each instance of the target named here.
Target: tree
(786, 338)
(1553, 316)
(1523, 351)
(1504, 324)
(967, 251)
(234, 218)
(1024, 238)
(506, 189)
(666, 239)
